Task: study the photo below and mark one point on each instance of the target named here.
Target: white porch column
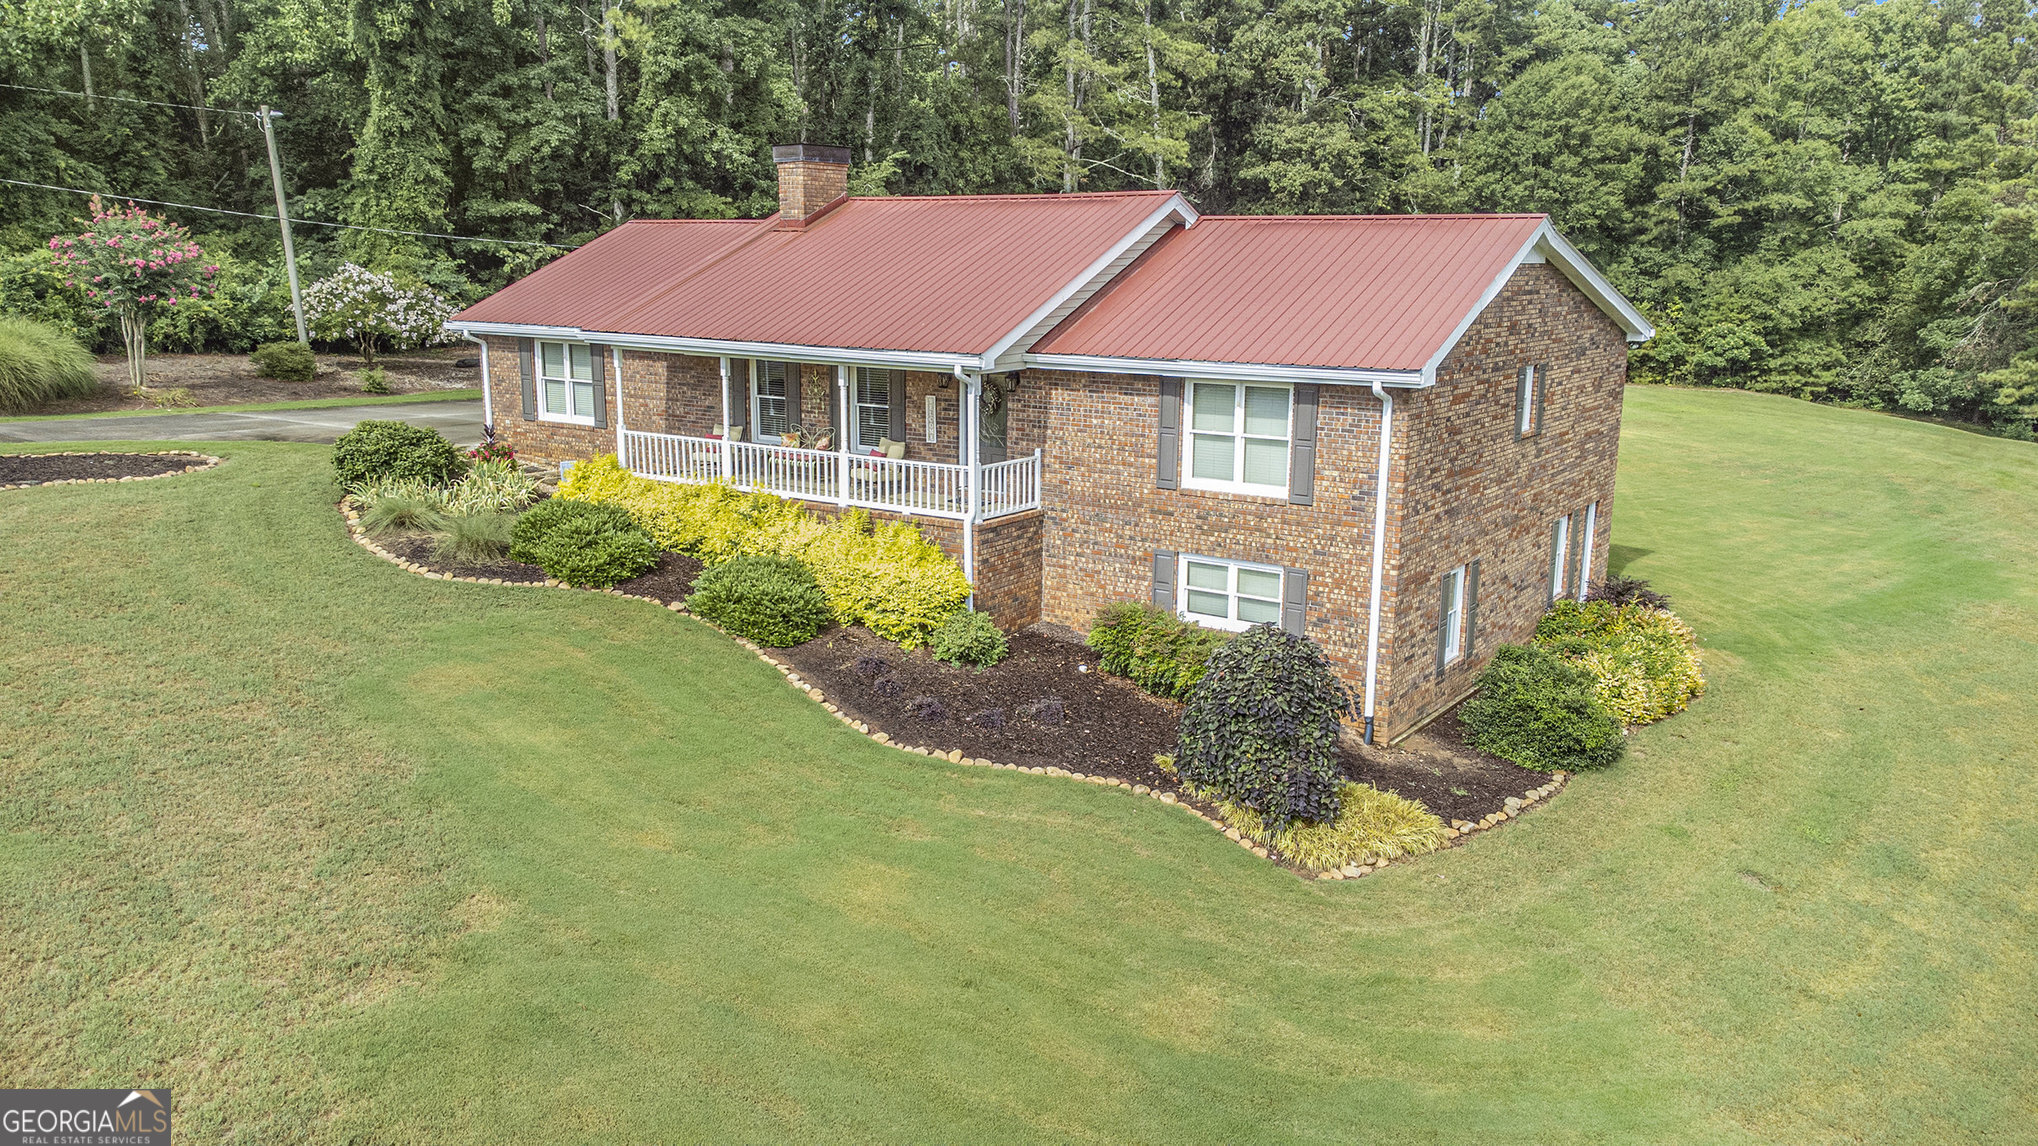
(966, 421)
(622, 446)
(846, 419)
(724, 448)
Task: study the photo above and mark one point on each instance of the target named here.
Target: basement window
(1230, 594)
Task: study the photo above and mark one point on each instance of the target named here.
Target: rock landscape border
(204, 462)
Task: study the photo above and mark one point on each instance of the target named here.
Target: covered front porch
(874, 437)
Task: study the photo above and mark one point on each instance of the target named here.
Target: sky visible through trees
(1824, 201)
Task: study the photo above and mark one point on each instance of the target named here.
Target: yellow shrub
(1644, 660)
(886, 577)
(1369, 822)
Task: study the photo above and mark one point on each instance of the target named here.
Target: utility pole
(283, 218)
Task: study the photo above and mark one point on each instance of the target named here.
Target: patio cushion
(891, 449)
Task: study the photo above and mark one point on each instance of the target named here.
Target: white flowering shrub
(370, 310)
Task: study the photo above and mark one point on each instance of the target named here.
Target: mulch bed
(1437, 766)
(668, 581)
(31, 469)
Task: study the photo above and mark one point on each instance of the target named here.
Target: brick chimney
(810, 177)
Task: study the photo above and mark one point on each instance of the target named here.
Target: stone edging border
(1458, 829)
(205, 462)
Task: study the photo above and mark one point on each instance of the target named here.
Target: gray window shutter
(1294, 599)
(795, 414)
(600, 355)
(1164, 579)
(737, 400)
(897, 413)
(1542, 393)
(1471, 608)
(1302, 450)
(1168, 450)
(527, 369)
(1443, 612)
(1522, 397)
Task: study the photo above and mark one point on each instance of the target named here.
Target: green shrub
(1369, 824)
(475, 538)
(1643, 660)
(968, 638)
(1541, 712)
(1156, 650)
(375, 380)
(1261, 728)
(771, 600)
(886, 577)
(39, 363)
(582, 544)
(378, 450)
(288, 361)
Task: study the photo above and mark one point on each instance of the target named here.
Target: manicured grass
(466, 394)
(344, 854)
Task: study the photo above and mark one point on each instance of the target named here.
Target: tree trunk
(135, 334)
(608, 59)
(545, 54)
(85, 69)
(1153, 92)
(1015, 50)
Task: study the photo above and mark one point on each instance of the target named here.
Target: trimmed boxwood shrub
(1261, 728)
(968, 638)
(1152, 647)
(381, 450)
(1643, 660)
(771, 600)
(582, 544)
(288, 361)
(1541, 712)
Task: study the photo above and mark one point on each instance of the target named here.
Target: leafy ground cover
(344, 854)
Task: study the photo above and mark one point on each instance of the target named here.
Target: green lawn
(343, 854)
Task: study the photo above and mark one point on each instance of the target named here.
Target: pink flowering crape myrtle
(131, 262)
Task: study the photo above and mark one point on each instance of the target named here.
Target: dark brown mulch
(230, 379)
(1437, 766)
(1106, 727)
(670, 580)
(19, 469)
(418, 547)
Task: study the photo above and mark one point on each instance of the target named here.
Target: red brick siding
(1470, 490)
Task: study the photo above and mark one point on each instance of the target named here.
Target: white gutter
(487, 407)
(1229, 371)
(719, 347)
(1379, 552)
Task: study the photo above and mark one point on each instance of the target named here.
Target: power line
(130, 99)
(293, 219)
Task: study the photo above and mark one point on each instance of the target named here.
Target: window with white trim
(1229, 594)
(1238, 437)
(769, 418)
(1453, 619)
(1525, 401)
(566, 382)
(873, 407)
(1560, 551)
(1587, 530)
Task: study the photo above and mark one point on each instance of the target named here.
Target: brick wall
(1105, 517)
(1469, 490)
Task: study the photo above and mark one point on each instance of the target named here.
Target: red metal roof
(1379, 292)
(938, 273)
(609, 274)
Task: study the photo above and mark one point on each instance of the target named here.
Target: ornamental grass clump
(1644, 661)
(1542, 712)
(474, 538)
(1261, 728)
(1152, 647)
(771, 600)
(1370, 824)
(588, 545)
(390, 510)
(492, 486)
(39, 363)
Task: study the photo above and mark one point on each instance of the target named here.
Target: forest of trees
(1828, 201)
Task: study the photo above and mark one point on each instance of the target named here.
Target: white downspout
(487, 406)
(970, 385)
(1379, 552)
(616, 363)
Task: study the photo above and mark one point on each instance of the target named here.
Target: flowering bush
(133, 263)
(491, 450)
(367, 309)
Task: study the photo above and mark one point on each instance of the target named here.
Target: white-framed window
(1229, 594)
(769, 415)
(1453, 619)
(1560, 552)
(1526, 401)
(1587, 527)
(1238, 437)
(566, 382)
(873, 407)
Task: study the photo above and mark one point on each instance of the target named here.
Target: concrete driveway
(460, 421)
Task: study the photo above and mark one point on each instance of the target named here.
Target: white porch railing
(930, 489)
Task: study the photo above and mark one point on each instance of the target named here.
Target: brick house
(1097, 397)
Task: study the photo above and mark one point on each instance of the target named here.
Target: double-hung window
(566, 382)
(1453, 619)
(1230, 594)
(1238, 437)
(769, 414)
(873, 407)
(1528, 405)
(1560, 551)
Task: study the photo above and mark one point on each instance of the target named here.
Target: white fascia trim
(718, 347)
(1228, 371)
(1088, 282)
(1555, 248)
